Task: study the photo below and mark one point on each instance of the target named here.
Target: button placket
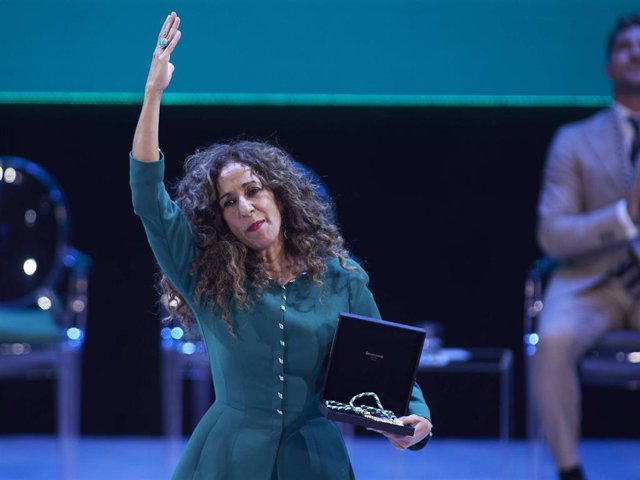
(280, 390)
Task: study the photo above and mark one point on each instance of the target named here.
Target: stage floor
(152, 458)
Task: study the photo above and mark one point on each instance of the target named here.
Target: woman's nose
(246, 208)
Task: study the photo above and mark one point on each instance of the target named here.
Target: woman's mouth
(255, 226)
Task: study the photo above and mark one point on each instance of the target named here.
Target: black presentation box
(371, 355)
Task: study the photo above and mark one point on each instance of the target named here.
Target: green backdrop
(312, 51)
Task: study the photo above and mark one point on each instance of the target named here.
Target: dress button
(283, 308)
(281, 326)
(284, 297)
(280, 395)
(281, 378)
(279, 411)
(281, 360)
(282, 342)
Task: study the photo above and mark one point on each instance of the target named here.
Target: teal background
(310, 51)
(328, 81)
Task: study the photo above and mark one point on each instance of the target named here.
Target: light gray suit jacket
(586, 173)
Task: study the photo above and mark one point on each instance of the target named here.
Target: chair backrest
(44, 289)
(34, 231)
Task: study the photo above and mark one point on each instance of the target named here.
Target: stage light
(165, 333)
(74, 333)
(188, 348)
(10, 175)
(30, 217)
(78, 305)
(177, 333)
(30, 266)
(20, 348)
(44, 302)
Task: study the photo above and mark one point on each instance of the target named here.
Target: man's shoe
(574, 473)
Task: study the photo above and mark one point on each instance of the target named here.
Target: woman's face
(249, 208)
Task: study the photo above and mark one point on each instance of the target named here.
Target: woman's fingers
(166, 26)
(422, 428)
(173, 42)
(161, 69)
(169, 33)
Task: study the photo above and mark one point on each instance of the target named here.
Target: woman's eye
(227, 203)
(253, 191)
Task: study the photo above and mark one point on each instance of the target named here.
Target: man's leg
(569, 325)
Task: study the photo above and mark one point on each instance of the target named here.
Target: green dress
(265, 422)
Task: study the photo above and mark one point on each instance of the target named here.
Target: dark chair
(184, 361)
(613, 363)
(44, 288)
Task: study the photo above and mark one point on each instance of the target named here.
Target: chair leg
(68, 392)
(171, 394)
(535, 434)
(200, 397)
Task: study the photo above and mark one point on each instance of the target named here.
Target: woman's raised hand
(161, 69)
(145, 140)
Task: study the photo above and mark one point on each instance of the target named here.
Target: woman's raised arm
(145, 140)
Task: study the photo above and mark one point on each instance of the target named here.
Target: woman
(251, 252)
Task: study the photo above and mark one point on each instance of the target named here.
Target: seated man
(588, 210)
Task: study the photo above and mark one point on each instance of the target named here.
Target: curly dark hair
(225, 266)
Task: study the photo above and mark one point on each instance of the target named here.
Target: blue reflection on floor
(153, 458)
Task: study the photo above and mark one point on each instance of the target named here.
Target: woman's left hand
(402, 442)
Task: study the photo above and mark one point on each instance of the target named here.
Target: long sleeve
(578, 210)
(418, 406)
(168, 231)
(361, 301)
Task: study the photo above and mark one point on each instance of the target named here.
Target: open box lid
(372, 355)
